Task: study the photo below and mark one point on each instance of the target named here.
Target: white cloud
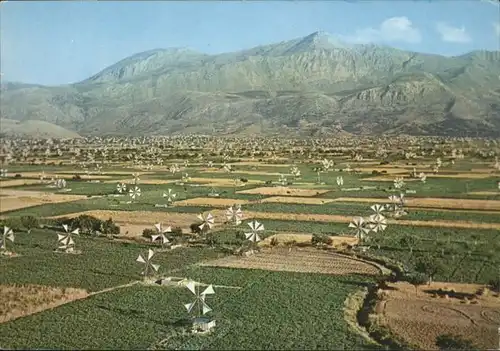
(496, 28)
(392, 29)
(453, 34)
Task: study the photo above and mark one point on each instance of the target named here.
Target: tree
(416, 279)
(409, 241)
(430, 266)
(321, 240)
(454, 342)
(274, 242)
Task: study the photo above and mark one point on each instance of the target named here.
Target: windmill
(282, 180)
(423, 177)
(378, 209)
(378, 223)
(200, 323)
(136, 178)
(148, 265)
(360, 229)
(161, 234)
(255, 227)
(227, 168)
(213, 192)
(185, 178)
(399, 183)
(170, 195)
(234, 214)
(8, 234)
(60, 183)
(207, 221)
(134, 192)
(340, 181)
(65, 240)
(121, 187)
(295, 172)
(174, 168)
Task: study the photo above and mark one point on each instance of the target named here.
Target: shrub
(76, 177)
(274, 241)
(268, 182)
(321, 239)
(109, 227)
(148, 233)
(29, 222)
(375, 172)
(86, 223)
(17, 175)
(384, 162)
(13, 223)
(454, 342)
(195, 228)
(244, 180)
(176, 231)
(495, 285)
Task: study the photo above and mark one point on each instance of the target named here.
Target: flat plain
(288, 290)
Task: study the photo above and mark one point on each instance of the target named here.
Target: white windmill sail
(207, 221)
(199, 298)
(8, 234)
(147, 263)
(255, 227)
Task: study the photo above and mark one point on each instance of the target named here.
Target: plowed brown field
(298, 260)
(419, 318)
(22, 300)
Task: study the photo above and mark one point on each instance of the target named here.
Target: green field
(269, 309)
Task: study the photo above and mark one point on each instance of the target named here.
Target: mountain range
(317, 85)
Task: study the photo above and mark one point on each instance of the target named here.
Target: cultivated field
(290, 234)
(437, 309)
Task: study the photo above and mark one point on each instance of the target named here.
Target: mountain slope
(311, 86)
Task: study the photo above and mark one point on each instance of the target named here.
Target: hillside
(310, 86)
(34, 129)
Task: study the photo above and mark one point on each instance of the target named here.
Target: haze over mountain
(315, 85)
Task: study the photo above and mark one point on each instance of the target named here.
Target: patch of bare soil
(284, 191)
(17, 199)
(63, 175)
(210, 201)
(297, 200)
(297, 260)
(22, 300)
(464, 175)
(337, 241)
(430, 202)
(419, 318)
(18, 182)
(134, 222)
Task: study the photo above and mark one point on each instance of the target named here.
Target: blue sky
(65, 42)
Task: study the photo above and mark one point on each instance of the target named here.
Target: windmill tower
(201, 323)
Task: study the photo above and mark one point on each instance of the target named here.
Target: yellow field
(210, 201)
(445, 203)
(297, 200)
